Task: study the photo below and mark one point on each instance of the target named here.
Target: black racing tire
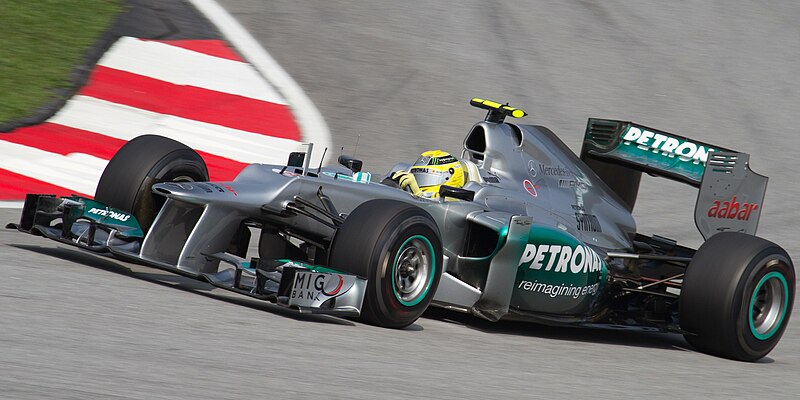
(142, 162)
(397, 247)
(737, 296)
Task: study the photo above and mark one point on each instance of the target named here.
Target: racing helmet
(435, 168)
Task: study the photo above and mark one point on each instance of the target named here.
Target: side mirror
(458, 193)
(296, 159)
(351, 163)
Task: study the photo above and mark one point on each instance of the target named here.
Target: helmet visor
(428, 177)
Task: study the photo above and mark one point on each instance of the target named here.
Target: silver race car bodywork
(537, 233)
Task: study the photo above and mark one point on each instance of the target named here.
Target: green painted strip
(311, 267)
(785, 286)
(430, 278)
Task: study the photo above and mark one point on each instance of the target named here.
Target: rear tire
(737, 296)
(397, 247)
(142, 162)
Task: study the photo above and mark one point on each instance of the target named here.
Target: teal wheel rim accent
(413, 270)
(768, 305)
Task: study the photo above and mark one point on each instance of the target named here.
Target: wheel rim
(413, 270)
(768, 305)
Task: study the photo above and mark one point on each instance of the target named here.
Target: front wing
(92, 226)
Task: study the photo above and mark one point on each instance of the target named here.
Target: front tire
(142, 162)
(397, 247)
(737, 296)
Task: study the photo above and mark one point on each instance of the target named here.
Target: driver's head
(436, 168)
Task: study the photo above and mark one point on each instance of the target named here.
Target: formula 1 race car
(535, 233)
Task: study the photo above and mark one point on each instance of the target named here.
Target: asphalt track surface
(400, 74)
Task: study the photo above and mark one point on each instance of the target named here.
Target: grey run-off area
(400, 74)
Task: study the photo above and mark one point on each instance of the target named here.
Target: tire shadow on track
(618, 336)
(174, 281)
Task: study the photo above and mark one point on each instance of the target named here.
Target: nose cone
(194, 192)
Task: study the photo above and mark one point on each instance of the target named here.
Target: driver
(433, 169)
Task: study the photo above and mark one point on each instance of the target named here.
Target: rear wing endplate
(730, 196)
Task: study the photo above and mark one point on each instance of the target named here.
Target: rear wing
(730, 195)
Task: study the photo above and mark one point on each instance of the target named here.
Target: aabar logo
(111, 214)
(667, 145)
(732, 209)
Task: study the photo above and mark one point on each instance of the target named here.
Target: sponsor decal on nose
(110, 214)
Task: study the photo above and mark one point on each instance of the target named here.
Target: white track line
(125, 122)
(76, 171)
(12, 204)
(186, 67)
(306, 114)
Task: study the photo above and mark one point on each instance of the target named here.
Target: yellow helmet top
(435, 168)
